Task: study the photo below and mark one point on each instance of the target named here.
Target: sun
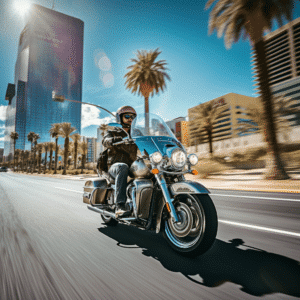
(21, 7)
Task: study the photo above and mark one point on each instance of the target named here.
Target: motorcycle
(158, 195)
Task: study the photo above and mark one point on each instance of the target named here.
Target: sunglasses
(129, 117)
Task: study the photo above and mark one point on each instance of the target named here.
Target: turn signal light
(168, 207)
(154, 171)
(195, 172)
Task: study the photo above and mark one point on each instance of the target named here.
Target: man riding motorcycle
(120, 157)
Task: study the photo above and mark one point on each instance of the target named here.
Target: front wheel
(197, 228)
(109, 221)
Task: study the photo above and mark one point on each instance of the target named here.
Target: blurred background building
(50, 57)
(283, 54)
(91, 156)
(232, 109)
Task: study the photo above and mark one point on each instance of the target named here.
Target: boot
(121, 210)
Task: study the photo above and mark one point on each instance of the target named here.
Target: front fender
(187, 187)
(183, 187)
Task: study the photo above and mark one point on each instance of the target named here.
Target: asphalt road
(53, 247)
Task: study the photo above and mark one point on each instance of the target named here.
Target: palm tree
(39, 148)
(146, 76)
(83, 149)
(54, 133)
(52, 147)
(204, 117)
(65, 132)
(76, 138)
(251, 18)
(35, 139)
(46, 149)
(26, 160)
(18, 156)
(22, 158)
(14, 136)
(30, 138)
(283, 106)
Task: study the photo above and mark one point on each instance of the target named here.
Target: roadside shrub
(206, 167)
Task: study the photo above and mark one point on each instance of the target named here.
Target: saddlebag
(101, 193)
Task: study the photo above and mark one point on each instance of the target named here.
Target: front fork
(169, 201)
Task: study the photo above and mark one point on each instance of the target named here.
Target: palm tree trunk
(210, 142)
(14, 154)
(147, 114)
(46, 154)
(275, 168)
(39, 161)
(55, 160)
(82, 163)
(75, 155)
(66, 155)
(50, 163)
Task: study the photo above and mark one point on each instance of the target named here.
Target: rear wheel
(109, 221)
(197, 228)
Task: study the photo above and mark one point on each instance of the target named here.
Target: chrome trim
(175, 173)
(127, 219)
(187, 187)
(134, 202)
(164, 187)
(101, 211)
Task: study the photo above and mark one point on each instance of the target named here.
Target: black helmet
(123, 110)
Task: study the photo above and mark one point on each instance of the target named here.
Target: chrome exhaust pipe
(101, 211)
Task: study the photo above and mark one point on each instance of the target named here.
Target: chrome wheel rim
(184, 235)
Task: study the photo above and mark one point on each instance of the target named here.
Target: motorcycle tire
(109, 221)
(197, 231)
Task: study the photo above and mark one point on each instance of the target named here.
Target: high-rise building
(91, 149)
(50, 57)
(283, 57)
(233, 111)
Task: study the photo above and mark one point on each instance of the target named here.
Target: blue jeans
(119, 172)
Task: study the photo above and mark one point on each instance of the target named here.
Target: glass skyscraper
(50, 57)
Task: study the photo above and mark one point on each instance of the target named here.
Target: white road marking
(68, 190)
(268, 198)
(296, 234)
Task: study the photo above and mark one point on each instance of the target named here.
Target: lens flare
(22, 7)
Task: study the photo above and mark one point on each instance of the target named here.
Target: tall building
(283, 57)
(182, 132)
(179, 126)
(172, 123)
(233, 108)
(91, 149)
(50, 57)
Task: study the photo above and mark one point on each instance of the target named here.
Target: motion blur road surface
(53, 247)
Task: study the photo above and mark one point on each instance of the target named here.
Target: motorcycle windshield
(152, 134)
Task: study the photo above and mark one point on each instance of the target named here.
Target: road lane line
(68, 190)
(276, 199)
(296, 234)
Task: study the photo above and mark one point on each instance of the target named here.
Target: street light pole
(59, 98)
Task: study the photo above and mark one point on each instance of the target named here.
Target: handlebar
(125, 141)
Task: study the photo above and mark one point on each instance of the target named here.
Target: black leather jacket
(120, 153)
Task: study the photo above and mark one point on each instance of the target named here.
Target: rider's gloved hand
(117, 139)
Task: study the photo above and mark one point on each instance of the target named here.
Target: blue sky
(199, 65)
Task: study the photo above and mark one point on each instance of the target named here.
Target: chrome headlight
(156, 157)
(178, 158)
(193, 159)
